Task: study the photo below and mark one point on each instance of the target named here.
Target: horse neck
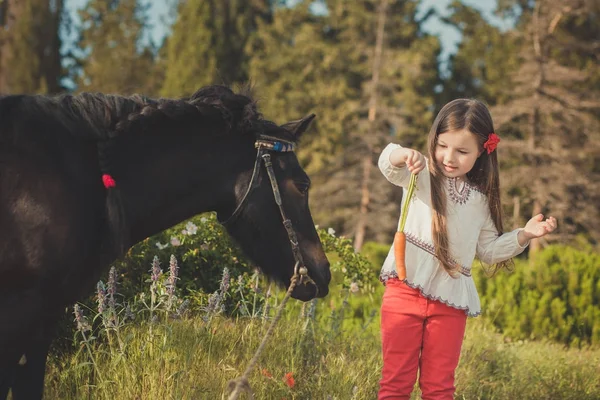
(166, 178)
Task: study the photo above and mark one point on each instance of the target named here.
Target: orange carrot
(400, 236)
(400, 253)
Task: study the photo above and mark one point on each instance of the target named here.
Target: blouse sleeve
(400, 176)
(493, 248)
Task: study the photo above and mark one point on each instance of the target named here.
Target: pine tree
(30, 60)
(541, 80)
(325, 64)
(115, 60)
(208, 43)
(552, 117)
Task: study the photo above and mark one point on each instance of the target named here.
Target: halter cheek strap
(264, 144)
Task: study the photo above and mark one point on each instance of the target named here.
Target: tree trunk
(361, 225)
(516, 212)
(534, 118)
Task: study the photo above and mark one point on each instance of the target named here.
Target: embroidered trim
(460, 196)
(428, 247)
(384, 277)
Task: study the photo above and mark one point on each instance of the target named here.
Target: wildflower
(331, 231)
(156, 272)
(225, 281)
(289, 379)
(214, 302)
(354, 287)
(191, 228)
(161, 246)
(101, 296)
(112, 287)
(203, 219)
(82, 323)
(175, 242)
(173, 271)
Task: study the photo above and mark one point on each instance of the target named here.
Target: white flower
(191, 228)
(331, 231)
(175, 241)
(161, 246)
(354, 287)
(203, 220)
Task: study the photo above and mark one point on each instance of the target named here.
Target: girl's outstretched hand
(537, 227)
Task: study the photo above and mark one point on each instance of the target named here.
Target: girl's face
(456, 153)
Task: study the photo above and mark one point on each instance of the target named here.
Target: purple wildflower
(82, 323)
(101, 297)
(225, 281)
(112, 287)
(173, 272)
(156, 272)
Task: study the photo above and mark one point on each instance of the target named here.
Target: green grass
(192, 359)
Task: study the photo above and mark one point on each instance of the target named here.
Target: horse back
(51, 198)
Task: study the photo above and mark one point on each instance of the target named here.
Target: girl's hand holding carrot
(414, 161)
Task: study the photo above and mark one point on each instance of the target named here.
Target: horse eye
(302, 187)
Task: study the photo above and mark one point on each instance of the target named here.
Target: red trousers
(418, 334)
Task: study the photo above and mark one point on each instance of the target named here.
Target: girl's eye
(443, 146)
(462, 152)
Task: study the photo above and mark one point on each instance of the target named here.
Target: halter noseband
(266, 144)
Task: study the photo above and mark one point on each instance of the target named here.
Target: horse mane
(109, 116)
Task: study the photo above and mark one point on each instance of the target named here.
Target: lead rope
(241, 384)
(238, 385)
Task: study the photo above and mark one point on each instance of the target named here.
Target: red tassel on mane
(108, 181)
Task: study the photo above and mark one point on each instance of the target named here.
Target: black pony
(83, 178)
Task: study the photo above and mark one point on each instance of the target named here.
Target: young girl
(454, 215)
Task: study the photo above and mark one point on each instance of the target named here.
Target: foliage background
(372, 73)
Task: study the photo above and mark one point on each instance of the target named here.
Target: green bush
(555, 296)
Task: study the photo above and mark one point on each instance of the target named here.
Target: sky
(449, 36)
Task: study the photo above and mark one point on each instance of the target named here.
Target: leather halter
(266, 144)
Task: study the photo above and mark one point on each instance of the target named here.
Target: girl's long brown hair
(475, 117)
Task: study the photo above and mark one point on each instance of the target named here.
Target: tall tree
(208, 43)
(115, 60)
(30, 59)
(553, 114)
(485, 59)
(325, 63)
(541, 78)
(394, 66)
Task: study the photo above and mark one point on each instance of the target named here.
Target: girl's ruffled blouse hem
(469, 312)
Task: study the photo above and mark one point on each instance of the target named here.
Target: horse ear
(300, 126)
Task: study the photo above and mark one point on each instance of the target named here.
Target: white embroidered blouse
(471, 232)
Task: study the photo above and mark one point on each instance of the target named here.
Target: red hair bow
(491, 143)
